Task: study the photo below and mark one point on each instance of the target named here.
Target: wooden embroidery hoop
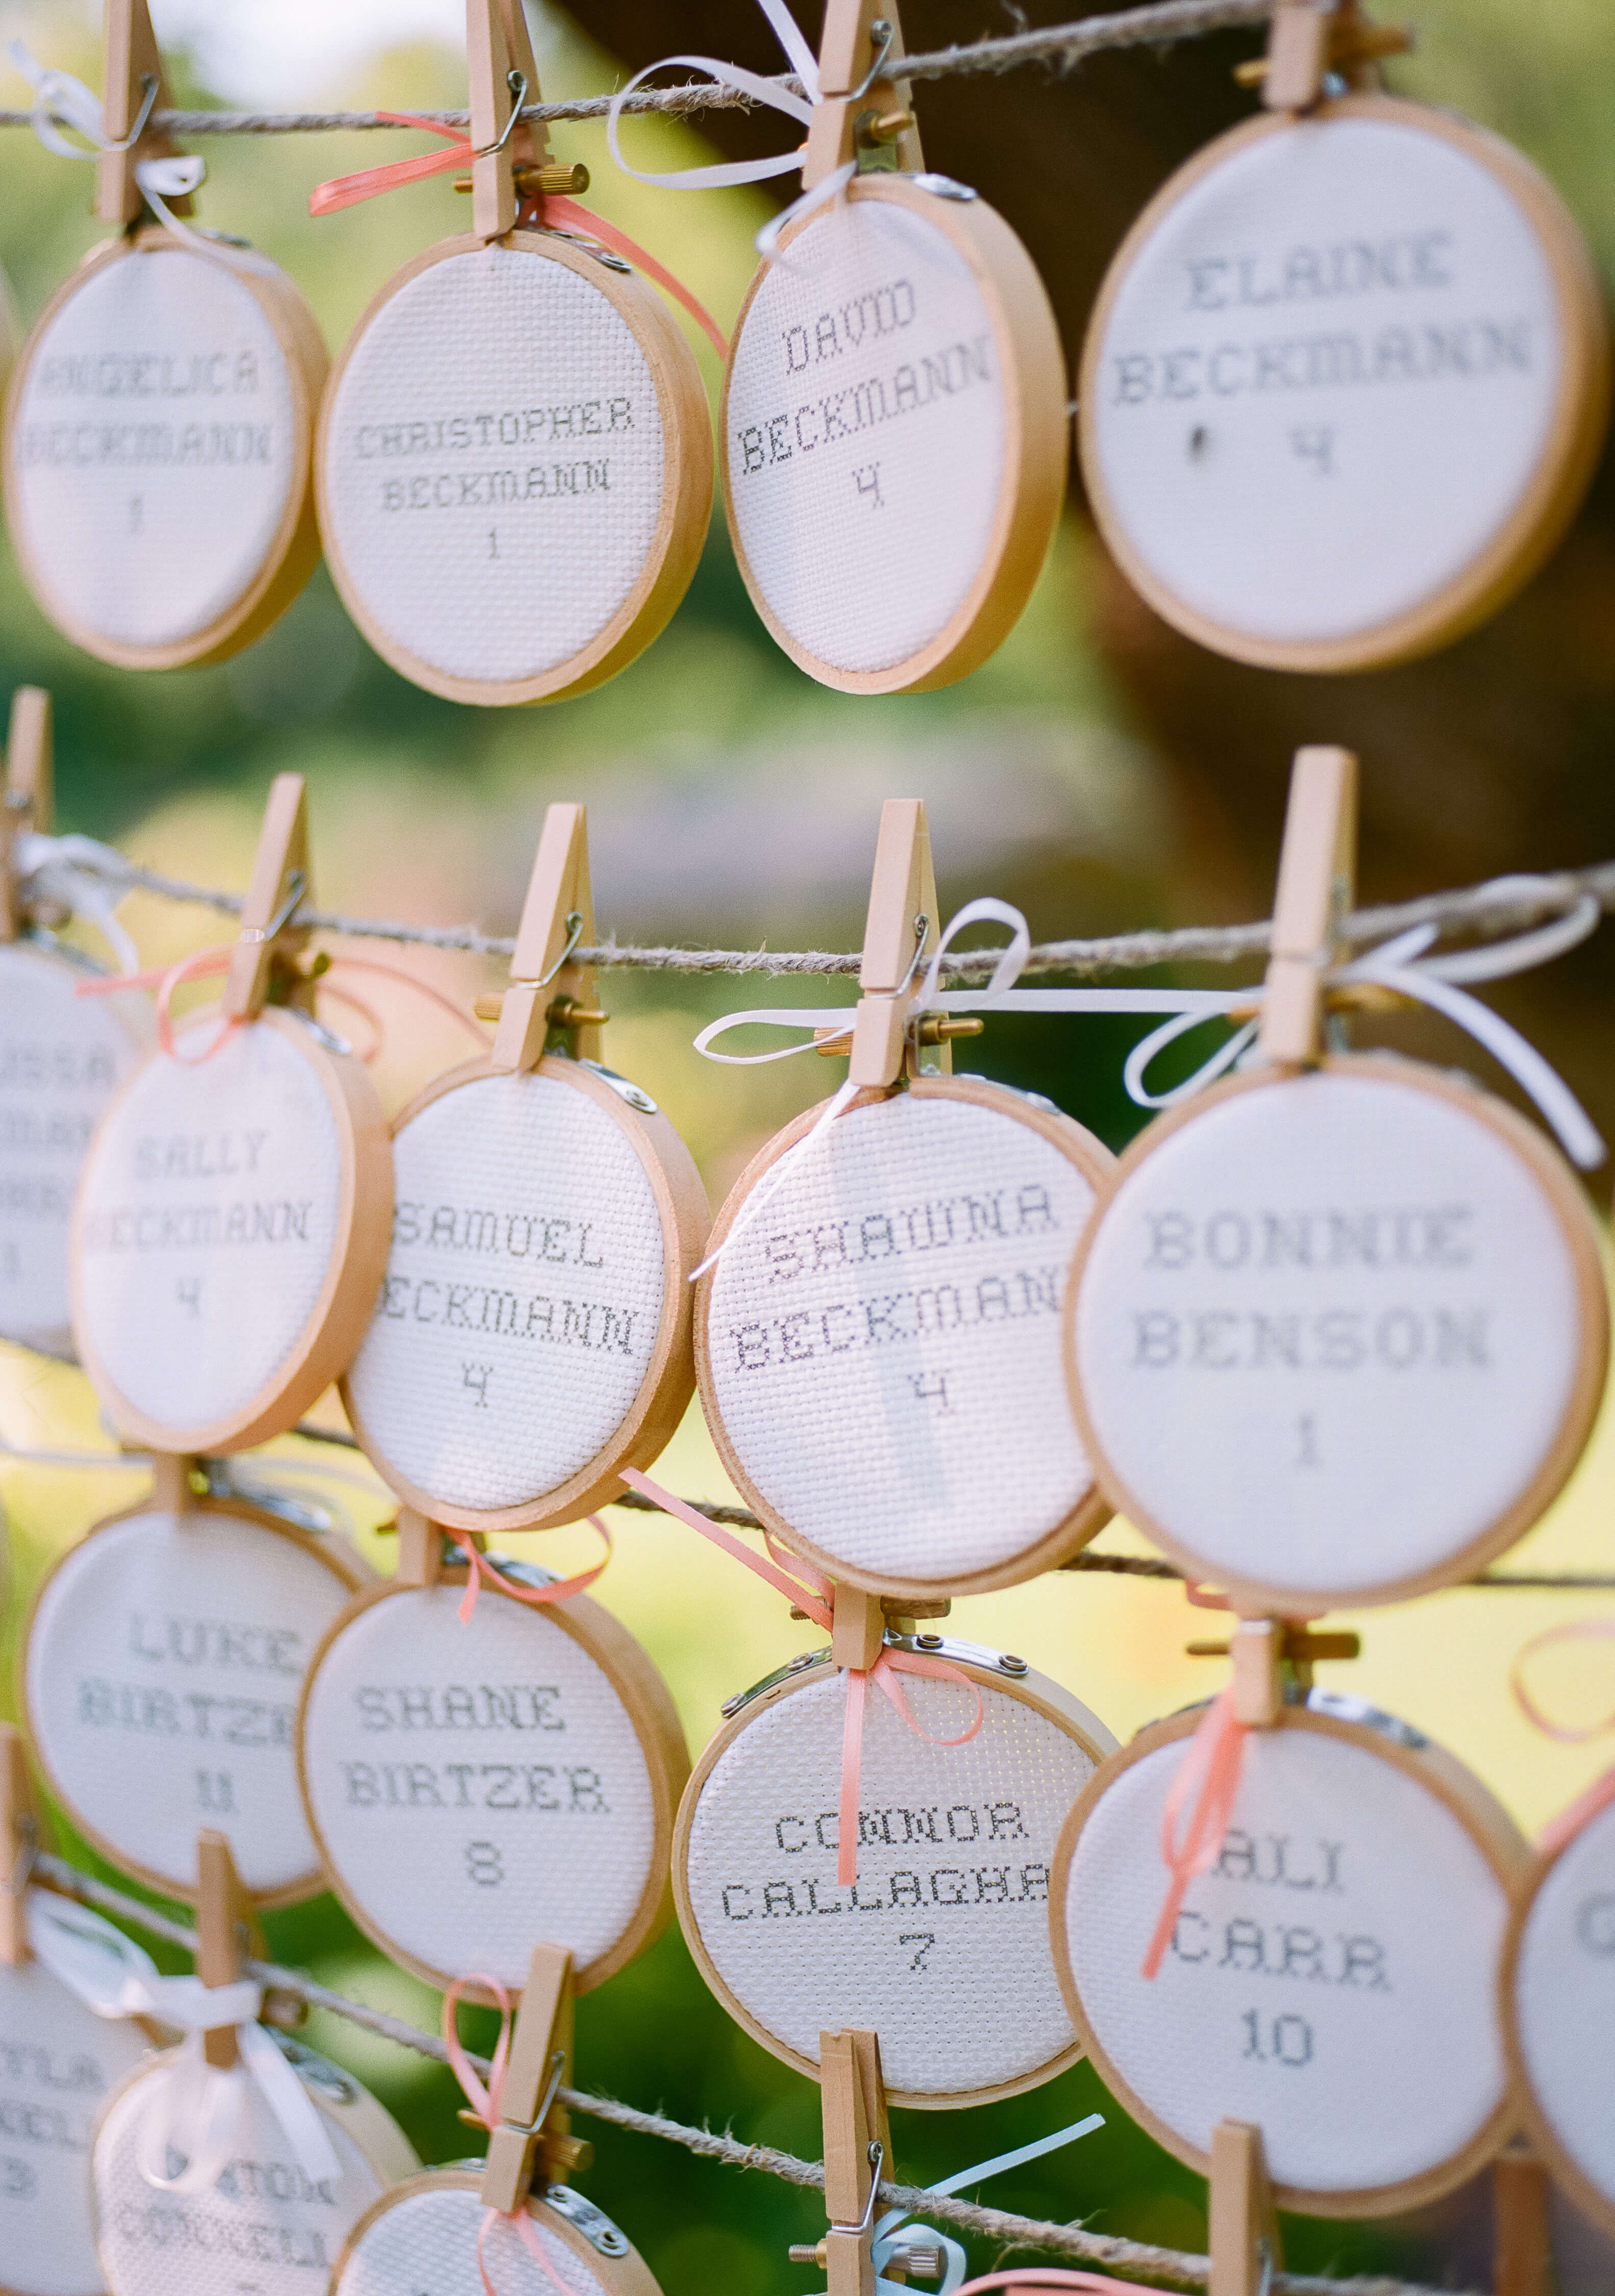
(172, 1493)
(263, 967)
(871, 121)
(532, 2146)
(550, 998)
(132, 59)
(1305, 43)
(885, 1056)
(644, 1698)
(1037, 1692)
(1315, 892)
(1244, 2172)
(498, 45)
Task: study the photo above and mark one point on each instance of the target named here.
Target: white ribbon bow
(196, 2113)
(74, 872)
(715, 177)
(61, 101)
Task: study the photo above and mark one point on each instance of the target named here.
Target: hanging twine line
(1062, 46)
(1167, 2267)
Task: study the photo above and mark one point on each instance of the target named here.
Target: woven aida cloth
(865, 435)
(57, 2063)
(429, 2241)
(1564, 1999)
(494, 465)
(1333, 1979)
(162, 1674)
(1348, 313)
(1353, 1303)
(478, 1787)
(263, 2225)
(60, 1057)
(884, 1339)
(523, 1294)
(152, 456)
(211, 1202)
(942, 1944)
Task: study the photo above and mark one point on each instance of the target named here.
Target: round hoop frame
(648, 1704)
(353, 1277)
(1092, 1160)
(669, 1380)
(295, 550)
(346, 1565)
(1268, 1598)
(562, 2213)
(1035, 444)
(687, 495)
(1448, 1782)
(1538, 519)
(985, 1668)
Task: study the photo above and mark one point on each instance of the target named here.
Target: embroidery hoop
(562, 2211)
(1448, 1782)
(1036, 442)
(498, 45)
(171, 1495)
(885, 1058)
(547, 989)
(640, 1689)
(1314, 892)
(266, 948)
(1045, 1698)
(1543, 510)
(131, 52)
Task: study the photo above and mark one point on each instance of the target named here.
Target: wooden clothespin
(1309, 40)
(547, 991)
(29, 802)
(533, 2137)
(899, 933)
(1522, 2242)
(1266, 1652)
(133, 86)
(869, 119)
(1317, 873)
(499, 56)
(20, 1841)
(857, 2160)
(1245, 2248)
(281, 880)
(420, 1548)
(223, 1931)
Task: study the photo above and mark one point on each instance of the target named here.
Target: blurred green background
(731, 799)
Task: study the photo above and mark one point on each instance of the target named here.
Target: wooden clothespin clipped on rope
(858, 2159)
(549, 996)
(262, 970)
(223, 1934)
(865, 111)
(899, 933)
(1244, 2235)
(533, 2139)
(1316, 881)
(513, 159)
(1310, 41)
(133, 87)
(19, 1844)
(28, 798)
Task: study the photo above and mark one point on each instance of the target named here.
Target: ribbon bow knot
(62, 100)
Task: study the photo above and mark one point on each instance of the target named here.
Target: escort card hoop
(1351, 301)
(160, 424)
(893, 438)
(515, 454)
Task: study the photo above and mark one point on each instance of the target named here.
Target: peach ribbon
(481, 1569)
(1049, 2275)
(1601, 1793)
(485, 2103)
(1210, 1772)
(548, 213)
(819, 1605)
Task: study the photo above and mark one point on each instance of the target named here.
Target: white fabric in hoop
(209, 1208)
(1332, 1978)
(523, 1296)
(62, 1057)
(942, 1944)
(883, 1340)
(494, 465)
(1564, 1999)
(478, 1787)
(428, 2239)
(58, 2061)
(864, 433)
(152, 451)
(1355, 1308)
(161, 1678)
(264, 2225)
(1343, 317)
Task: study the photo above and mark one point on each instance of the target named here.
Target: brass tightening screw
(552, 180)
